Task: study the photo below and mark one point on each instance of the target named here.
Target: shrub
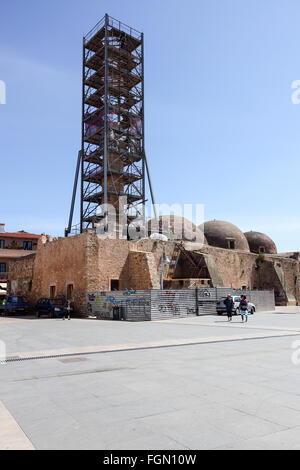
(260, 258)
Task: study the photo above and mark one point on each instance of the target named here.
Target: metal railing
(115, 24)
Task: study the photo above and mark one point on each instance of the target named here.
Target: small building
(14, 245)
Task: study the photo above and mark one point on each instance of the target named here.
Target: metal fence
(206, 301)
(128, 305)
(145, 305)
(166, 304)
(263, 300)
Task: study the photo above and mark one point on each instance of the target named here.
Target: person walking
(229, 306)
(67, 309)
(244, 308)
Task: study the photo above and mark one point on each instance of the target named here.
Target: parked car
(16, 304)
(236, 300)
(51, 307)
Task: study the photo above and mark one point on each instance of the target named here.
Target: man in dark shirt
(229, 306)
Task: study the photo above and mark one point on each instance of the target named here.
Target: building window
(2, 268)
(231, 244)
(261, 249)
(2, 244)
(27, 245)
(52, 292)
(114, 284)
(70, 289)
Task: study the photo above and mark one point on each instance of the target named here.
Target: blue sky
(221, 128)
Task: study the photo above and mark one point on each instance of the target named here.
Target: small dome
(222, 234)
(176, 228)
(260, 243)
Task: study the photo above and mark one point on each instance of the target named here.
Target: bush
(261, 258)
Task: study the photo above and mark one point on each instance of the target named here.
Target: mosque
(221, 256)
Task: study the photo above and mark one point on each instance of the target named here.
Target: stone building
(89, 262)
(13, 245)
(260, 243)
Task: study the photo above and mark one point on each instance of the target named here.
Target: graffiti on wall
(130, 304)
(175, 303)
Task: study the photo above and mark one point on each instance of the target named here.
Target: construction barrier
(146, 305)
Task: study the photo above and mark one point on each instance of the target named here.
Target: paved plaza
(194, 383)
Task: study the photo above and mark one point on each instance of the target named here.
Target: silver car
(221, 308)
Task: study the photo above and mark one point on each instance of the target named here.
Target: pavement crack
(69, 374)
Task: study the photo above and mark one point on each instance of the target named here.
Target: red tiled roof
(24, 235)
(6, 253)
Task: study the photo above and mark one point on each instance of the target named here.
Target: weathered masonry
(89, 263)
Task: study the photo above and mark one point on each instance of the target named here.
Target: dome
(176, 228)
(260, 243)
(223, 234)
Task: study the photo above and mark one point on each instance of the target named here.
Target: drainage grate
(12, 358)
(147, 348)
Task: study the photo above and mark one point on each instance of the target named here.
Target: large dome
(222, 234)
(260, 243)
(176, 228)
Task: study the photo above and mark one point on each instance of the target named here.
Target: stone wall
(21, 275)
(90, 264)
(233, 267)
(290, 268)
(157, 248)
(143, 271)
(60, 263)
(112, 262)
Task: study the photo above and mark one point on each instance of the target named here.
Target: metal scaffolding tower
(112, 150)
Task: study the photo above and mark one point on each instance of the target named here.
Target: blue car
(16, 304)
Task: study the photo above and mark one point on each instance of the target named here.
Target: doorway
(114, 284)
